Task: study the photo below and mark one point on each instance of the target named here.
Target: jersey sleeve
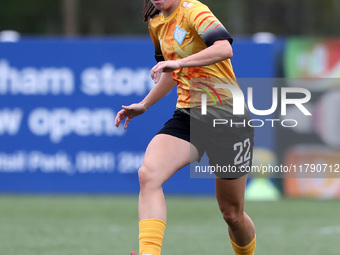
(207, 25)
(157, 45)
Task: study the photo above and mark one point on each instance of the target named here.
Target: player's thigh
(166, 154)
(230, 193)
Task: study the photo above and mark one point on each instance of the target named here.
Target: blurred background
(242, 17)
(67, 66)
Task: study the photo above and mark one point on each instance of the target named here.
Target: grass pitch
(103, 225)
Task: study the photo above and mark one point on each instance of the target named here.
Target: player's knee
(232, 216)
(146, 177)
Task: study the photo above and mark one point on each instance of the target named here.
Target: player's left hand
(163, 66)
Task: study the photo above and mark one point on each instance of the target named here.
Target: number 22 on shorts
(243, 152)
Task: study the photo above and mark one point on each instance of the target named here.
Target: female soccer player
(193, 50)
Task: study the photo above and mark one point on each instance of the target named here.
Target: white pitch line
(331, 230)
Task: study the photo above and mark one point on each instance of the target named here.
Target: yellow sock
(151, 234)
(249, 249)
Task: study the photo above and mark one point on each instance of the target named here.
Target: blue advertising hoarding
(58, 101)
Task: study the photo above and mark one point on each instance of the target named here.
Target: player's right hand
(129, 112)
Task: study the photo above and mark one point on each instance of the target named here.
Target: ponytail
(148, 11)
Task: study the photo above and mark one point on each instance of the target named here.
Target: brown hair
(148, 11)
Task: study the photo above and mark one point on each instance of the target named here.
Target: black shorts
(229, 148)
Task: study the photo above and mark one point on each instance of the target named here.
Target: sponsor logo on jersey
(186, 4)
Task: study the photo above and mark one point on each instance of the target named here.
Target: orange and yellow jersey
(191, 28)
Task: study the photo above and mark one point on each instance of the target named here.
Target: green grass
(75, 225)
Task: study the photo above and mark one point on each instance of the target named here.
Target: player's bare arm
(162, 88)
(219, 51)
